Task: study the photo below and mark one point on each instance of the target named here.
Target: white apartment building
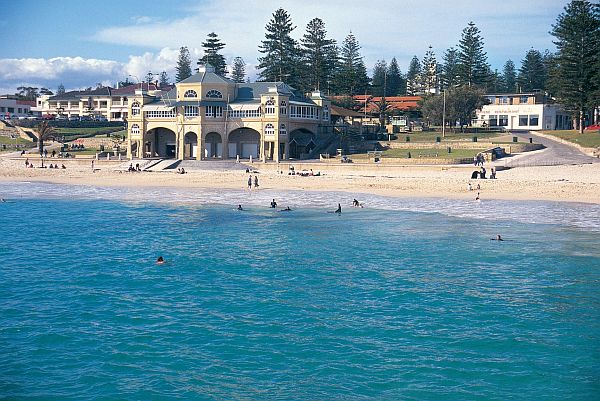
(522, 111)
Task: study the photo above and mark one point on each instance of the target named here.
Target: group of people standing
(250, 182)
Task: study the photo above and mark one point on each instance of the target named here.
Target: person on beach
(250, 182)
(26, 162)
(63, 167)
(255, 181)
(470, 187)
(273, 204)
(477, 197)
(339, 209)
(160, 260)
(92, 166)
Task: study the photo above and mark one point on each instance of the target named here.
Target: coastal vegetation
(587, 139)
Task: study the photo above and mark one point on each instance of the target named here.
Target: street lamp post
(444, 116)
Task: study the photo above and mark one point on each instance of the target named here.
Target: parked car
(48, 117)
(61, 117)
(74, 118)
(100, 118)
(592, 128)
(85, 118)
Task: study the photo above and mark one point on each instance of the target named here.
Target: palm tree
(43, 132)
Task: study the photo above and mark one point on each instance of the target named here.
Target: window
(124, 100)
(534, 120)
(270, 107)
(135, 109)
(2, 109)
(214, 94)
(11, 109)
(282, 130)
(160, 114)
(524, 99)
(135, 129)
(325, 112)
(523, 120)
(190, 93)
(269, 129)
(191, 111)
(283, 107)
(503, 120)
(493, 120)
(504, 100)
(213, 111)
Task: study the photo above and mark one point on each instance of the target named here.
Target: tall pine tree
(576, 65)
(184, 64)
(509, 77)
(413, 77)
(212, 47)
(532, 74)
(396, 85)
(317, 53)
(280, 51)
(379, 80)
(472, 60)
(238, 71)
(449, 75)
(429, 73)
(351, 77)
(163, 79)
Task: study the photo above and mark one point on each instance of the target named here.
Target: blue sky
(79, 44)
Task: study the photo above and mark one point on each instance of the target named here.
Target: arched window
(282, 130)
(214, 94)
(283, 107)
(135, 129)
(270, 106)
(269, 129)
(135, 109)
(190, 93)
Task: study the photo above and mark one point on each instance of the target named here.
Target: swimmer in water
(287, 209)
(160, 260)
(339, 209)
(498, 238)
(239, 207)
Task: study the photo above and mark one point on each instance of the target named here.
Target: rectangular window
(11, 109)
(160, 114)
(2, 109)
(523, 120)
(524, 99)
(534, 120)
(504, 100)
(503, 120)
(213, 111)
(493, 119)
(191, 111)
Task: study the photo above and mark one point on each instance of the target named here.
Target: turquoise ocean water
(404, 299)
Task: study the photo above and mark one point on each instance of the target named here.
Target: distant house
(11, 107)
(396, 103)
(111, 103)
(522, 111)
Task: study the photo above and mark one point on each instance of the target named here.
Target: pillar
(200, 145)
(225, 146)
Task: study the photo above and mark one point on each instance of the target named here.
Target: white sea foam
(583, 216)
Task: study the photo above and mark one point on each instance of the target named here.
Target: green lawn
(416, 152)
(5, 140)
(589, 139)
(71, 134)
(458, 136)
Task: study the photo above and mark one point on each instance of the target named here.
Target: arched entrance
(244, 142)
(190, 145)
(213, 145)
(302, 142)
(160, 142)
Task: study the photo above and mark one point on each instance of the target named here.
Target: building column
(129, 156)
(179, 140)
(224, 146)
(286, 154)
(199, 146)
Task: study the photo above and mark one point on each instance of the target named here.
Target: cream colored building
(208, 116)
(522, 111)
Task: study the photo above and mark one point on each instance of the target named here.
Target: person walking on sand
(255, 182)
(250, 182)
(92, 166)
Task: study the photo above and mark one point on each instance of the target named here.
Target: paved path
(556, 153)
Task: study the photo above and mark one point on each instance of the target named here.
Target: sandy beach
(573, 183)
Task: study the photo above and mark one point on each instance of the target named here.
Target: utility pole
(444, 116)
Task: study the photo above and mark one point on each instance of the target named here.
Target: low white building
(14, 108)
(522, 111)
